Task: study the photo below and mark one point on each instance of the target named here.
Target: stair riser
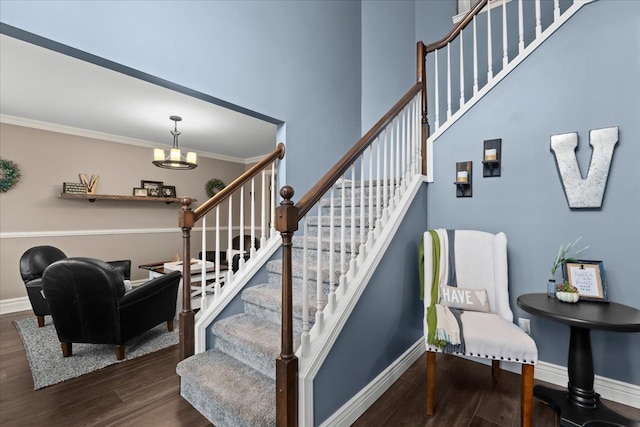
(325, 231)
(325, 255)
(211, 381)
(326, 234)
(249, 355)
(337, 212)
(274, 316)
(337, 202)
(275, 274)
(338, 192)
(276, 279)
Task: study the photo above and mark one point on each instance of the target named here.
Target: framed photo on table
(588, 276)
(154, 188)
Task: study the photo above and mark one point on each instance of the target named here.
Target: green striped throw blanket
(444, 328)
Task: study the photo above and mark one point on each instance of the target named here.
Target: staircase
(233, 384)
(357, 206)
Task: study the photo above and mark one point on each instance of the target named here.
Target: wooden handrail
(318, 190)
(207, 206)
(459, 27)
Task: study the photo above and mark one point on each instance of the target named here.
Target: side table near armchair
(579, 404)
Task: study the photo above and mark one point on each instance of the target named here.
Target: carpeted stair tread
(325, 243)
(227, 392)
(275, 268)
(251, 340)
(268, 299)
(324, 221)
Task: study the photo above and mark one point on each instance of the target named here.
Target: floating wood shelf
(94, 197)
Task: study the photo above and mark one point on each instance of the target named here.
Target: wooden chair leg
(431, 380)
(66, 349)
(40, 321)
(526, 395)
(120, 352)
(495, 369)
(170, 325)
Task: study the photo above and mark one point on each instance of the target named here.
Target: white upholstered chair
(480, 260)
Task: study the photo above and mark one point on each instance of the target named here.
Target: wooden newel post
(287, 362)
(186, 221)
(421, 77)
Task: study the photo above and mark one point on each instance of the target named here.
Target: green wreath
(9, 174)
(213, 186)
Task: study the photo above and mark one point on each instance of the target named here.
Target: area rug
(48, 367)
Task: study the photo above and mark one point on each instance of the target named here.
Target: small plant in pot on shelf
(561, 258)
(567, 293)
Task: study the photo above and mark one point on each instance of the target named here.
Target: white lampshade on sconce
(175, 159)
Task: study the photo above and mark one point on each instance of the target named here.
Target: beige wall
(31, 214)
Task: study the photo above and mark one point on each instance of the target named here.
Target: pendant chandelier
(175, 159)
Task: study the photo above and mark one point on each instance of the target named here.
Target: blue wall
(386, 321)
(388, 56)
(580, 79)
(298, 62)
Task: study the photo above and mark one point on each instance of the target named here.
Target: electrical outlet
(525, 325)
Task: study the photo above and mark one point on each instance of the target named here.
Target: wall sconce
(491, 156)
(463, 179)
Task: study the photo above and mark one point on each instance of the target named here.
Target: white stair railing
(241, 241)
(353, 210)
(218, 283)
(535, 21)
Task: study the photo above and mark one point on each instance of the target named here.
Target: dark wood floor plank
(146, 392)
(498, 404)
(389, 402)
(481, 422)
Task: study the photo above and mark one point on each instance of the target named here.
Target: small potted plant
(561, 258)
(566, 292)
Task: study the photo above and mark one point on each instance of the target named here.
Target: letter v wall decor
(585, 193)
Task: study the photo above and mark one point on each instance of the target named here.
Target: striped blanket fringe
(443, 323)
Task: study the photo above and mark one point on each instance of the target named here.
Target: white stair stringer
(537, 42)
(320, 343)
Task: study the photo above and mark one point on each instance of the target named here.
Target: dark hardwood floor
(145, 392)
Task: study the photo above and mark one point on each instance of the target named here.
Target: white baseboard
(610, 389)
(358, 404)
(13, 305)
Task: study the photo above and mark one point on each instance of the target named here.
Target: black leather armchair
(89, 304)
(32, 265)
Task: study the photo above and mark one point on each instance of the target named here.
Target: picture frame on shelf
(589, 277)
(74, 188)
(141, 192)
(169, 191)
(154, 188)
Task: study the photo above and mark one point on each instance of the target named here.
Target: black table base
(572, 415)
(579, 405)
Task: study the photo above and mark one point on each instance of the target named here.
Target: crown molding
(69, 130)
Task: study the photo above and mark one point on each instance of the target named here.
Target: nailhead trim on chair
(485, 356)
